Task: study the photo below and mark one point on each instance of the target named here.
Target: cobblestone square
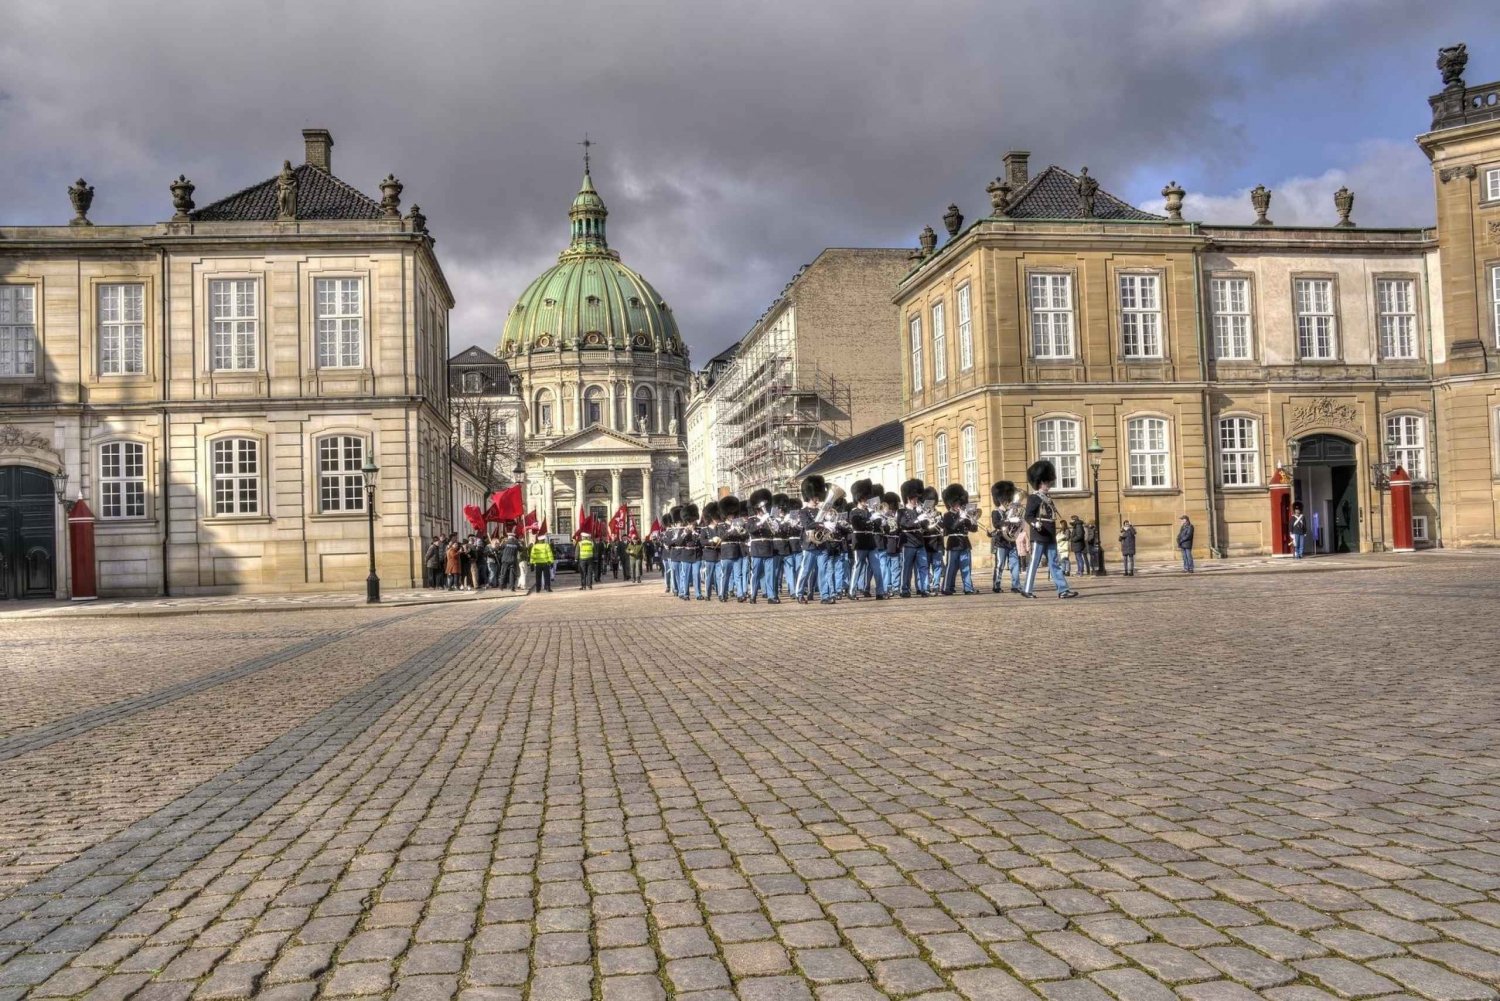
(1262, 783)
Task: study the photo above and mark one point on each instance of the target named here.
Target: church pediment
(596, 439)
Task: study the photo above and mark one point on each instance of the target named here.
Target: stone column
(614, 407)
(547, 485)
(578, 405)
(614, 491)
(580, 499)
(662, 410)
(648, 508)
(630, 406)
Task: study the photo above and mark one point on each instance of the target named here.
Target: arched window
(1150, 462)
(940, 474)
(918, 459)
(677, 406)
(1239, 452)
(542, 411)
(341, 485)
(122, 480)
(645, 409)
(235, 464)
(1057, 441)
(971, 459)
(593, 406)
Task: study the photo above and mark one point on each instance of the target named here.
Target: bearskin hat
(814, 488)
(842, 504)
(729, 506)
(877, 491)
(758, 497)
(912, 490)
(890, 498)
(860, 490)
(689, 512)
(711, 512)
(674, 516)
(1041, 471)
(1002, 492)
(781, 502)
(930, 495)
(954, 495)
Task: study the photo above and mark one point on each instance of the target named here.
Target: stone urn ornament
(1173, 193)
(390, 196)
(1343, 200)
(1260, 200)
(416, 220)
(953, 220)
(182, 198)
(999, 191)
(81, 194)
(928, 240)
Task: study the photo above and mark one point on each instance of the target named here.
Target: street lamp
(372, 583)
(60, 484)
(1096, 460)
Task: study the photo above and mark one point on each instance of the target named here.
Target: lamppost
(60, 484)
(372, 583)
(1096, 460)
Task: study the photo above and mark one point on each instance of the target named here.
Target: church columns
(580, 499)
(614, 491)
(614, 406)
(648, 503)
(548, 512)
(630, 406)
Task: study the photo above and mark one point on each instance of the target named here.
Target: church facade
(1176, 367)
(212, 387)
(605, 376)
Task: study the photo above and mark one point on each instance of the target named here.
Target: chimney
(1015, 167)
(319, 143)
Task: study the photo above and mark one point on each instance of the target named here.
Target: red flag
(655, 526)
(507, 503)
(620, 521)
(542, 528)
(475, 517)
(529, 524)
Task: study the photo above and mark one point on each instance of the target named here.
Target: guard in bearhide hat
(690, 548)
(890, 552)
(670, 553)
(863, 522)
(708, 567)
(1041, 521)
(815, 565)
(788, 544)
(760, 527)
(912, 521)
(957, 522)
(932, 535)
(732, 550)
(1005, 524)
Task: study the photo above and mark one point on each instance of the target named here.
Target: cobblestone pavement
(1283, 785)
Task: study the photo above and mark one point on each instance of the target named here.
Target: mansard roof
(1053, 194)
(320, 195)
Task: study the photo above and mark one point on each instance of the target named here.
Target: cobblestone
(615, 796)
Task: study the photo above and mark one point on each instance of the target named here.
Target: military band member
(890, 555)
(913, 541)
(764, 563)
(731, 550)
(670, 552)
(1041, 520)
(689, 553)
(814, 559)
(863, 523)
(787, 545)
(709, 579)
(957, 523)
(1005, 522)
(933, 535)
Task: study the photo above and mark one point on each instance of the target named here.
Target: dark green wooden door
(28, 509)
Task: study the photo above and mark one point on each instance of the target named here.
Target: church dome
(588, 300)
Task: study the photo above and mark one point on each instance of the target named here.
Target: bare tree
(490, 433)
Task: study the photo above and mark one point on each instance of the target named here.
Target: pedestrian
(1094, 549)
(432, 563)
(1064, 550)
(1078, 544)
(1299, 531)
(453, 564)
(541, 565)
(635, 555)
(1127, 547)
(1042, 530)
(492, 563)
(510, 556)
(587, 568)
(1185, 542)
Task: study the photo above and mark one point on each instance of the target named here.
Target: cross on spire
(586, 144)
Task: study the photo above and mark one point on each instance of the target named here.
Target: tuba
(826, 517)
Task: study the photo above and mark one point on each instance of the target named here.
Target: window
(940, 453)
(965, 330)
(1146, 438)
(1239, 452)
(340, 306)
(1057, 441)
(122, 329)
(1492, 184)
(1419, 528)
(918, 459)
(543, 415)
(1494, 311)
(915, 326)
(939, 343)
(1230, 301)
(644, 411)
(971, 460)
(1396, 311)
(677, 406)
(236, 472)
(1406, 437)
(234, 324)
(1317, 333)
(341, 486)
(593, 406)
(1052, 316)
(473, 382)
(1140, 316)
(122, 480)
(17, 330)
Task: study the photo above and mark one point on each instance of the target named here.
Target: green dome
(588, 298)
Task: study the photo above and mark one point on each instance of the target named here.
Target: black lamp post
(372, 583)
(1096, 460)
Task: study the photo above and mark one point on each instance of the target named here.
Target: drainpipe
(1436, 538)
(1209, 438)
(166, 428)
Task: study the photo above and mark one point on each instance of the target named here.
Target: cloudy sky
(735, 140)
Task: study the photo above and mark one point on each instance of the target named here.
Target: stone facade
(211, 384)
(1201, 362)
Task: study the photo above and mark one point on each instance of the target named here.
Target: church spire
(587, 215)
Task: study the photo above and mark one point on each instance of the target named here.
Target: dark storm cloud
(735, 140)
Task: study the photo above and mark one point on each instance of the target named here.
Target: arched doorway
(28, 530)
(1326, 481)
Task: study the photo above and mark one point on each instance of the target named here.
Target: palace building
(606, 376)
(213, 387)
(1209, 370)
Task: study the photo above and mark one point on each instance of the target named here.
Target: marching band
(868, 543)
